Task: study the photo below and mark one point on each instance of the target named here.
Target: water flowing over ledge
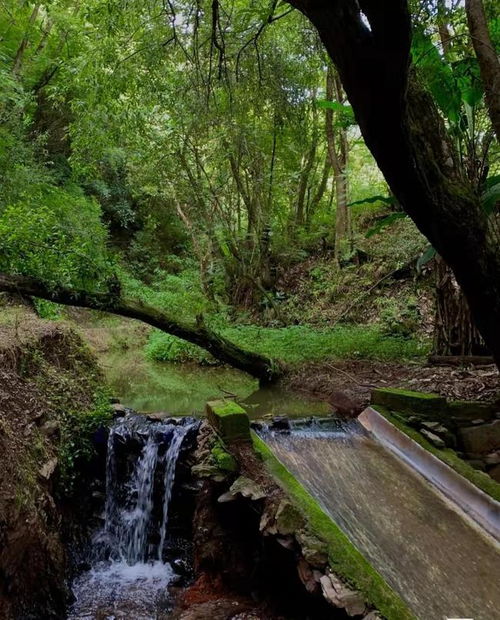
(129, 575)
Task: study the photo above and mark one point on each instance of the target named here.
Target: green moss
(229, 420)
(223, 459)
(448, 456)
(344, 558)
(409, 401)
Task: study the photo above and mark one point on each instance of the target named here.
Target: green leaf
(425, 257)
(383, 223)
(491, 196)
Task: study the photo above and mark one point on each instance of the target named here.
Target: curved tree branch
(222, 349)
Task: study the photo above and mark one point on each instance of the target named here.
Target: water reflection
(179, 389)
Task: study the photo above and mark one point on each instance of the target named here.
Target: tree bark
(263, 368)
(369, 42)
(454, 330)
(487, 58)
(337, 150)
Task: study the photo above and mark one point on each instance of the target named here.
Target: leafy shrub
(55, 235)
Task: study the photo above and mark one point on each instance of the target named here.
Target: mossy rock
(229, 420)
(407, 401)
(223, 460)
(288, 518)
(462, 412)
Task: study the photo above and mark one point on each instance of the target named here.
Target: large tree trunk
(263, 368)
(454, 331)
(487, 58)
(407, 137)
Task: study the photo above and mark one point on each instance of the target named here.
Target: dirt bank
(48, 384)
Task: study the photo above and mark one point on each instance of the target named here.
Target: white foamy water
(128, 578)
(112, 590)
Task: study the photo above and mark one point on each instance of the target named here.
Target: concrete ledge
(229, 420)
(481, 508)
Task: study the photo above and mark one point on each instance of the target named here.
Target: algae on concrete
(229, 420)
(344, 559)
(409, 401)
(480, 479)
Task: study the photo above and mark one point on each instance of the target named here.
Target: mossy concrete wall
(230, 421)
(343, 557)
(469, 427)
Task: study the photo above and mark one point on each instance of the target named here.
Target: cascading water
(129, 577)
(427, 550)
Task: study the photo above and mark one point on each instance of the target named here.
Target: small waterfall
(128, 574)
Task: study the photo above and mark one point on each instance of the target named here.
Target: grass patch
(479, 478)
(344, 558)
(295, 345)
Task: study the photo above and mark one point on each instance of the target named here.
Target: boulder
(433, 438)
(494, 472)
(481, 439)
(245, 487)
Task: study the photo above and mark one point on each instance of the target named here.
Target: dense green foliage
(181, 149)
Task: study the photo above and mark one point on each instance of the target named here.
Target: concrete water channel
(441, 562)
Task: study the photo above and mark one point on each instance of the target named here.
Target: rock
(288, 518)
(267, 523)
(247, 488)
(313, 549)
(223, 460)
(51, 428)
(158, 416)
(434, 439)
(373, 615)
(118, 410)
(306, 575)
(48, 468)
(280, 423)
(493, 458)
(288, 542)
(229, 420)
(339, 595)
(466, 411)
(481, 439)
(204, 470)
(494, 472)
(429, 405)
(435, 427)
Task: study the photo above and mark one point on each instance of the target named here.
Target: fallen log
(461, 360)
(259, 366)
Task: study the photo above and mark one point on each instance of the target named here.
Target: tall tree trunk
(487, 58)
(454, 329)
(403, 130)
(338, 150)
(259, 366)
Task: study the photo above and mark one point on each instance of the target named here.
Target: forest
(304, 191)
(214, 164)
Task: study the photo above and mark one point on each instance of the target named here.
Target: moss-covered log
(259, 366)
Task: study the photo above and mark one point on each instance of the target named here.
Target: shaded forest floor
(356, 379)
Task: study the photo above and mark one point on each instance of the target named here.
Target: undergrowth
(296, 344)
